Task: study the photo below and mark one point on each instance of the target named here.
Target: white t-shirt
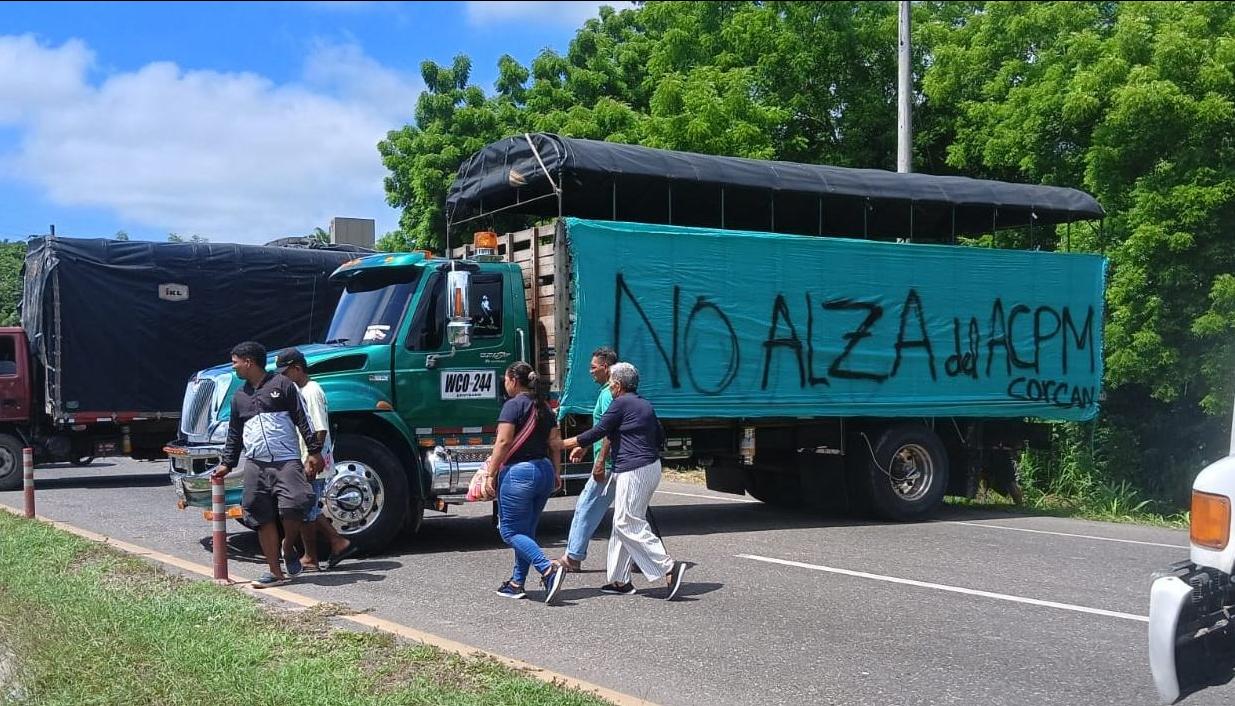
(313, 397)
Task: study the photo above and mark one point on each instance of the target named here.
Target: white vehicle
(1192, 604)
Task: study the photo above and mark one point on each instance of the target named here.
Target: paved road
(781, 608)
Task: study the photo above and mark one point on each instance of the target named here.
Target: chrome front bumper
(451, 467)
(190, 467)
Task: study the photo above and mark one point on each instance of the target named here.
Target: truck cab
(15, 403)
(412, 369)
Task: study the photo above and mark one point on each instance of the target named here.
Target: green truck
(879, 367)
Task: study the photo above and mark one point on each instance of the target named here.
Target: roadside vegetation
(81, 623)
(1129, 101)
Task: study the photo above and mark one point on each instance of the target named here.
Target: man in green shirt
(596, 497)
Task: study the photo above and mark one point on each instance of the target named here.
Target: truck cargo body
(771, 358)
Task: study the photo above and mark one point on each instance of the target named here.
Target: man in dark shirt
(635, 437)
(266, 422)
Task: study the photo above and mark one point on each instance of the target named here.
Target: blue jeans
(589, 511)
(523, 490)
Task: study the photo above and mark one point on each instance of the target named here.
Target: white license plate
(469, 384)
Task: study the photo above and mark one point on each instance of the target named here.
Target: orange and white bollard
(218, 516)
(27, 478)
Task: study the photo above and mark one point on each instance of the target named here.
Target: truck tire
(366, 492)
(10, 462)
(908, 473)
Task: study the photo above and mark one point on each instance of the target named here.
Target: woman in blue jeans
(529, 474)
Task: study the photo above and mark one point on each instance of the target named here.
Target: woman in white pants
(635, 437)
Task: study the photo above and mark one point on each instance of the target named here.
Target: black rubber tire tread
(885, 503)
(10, 474)
(375, 455)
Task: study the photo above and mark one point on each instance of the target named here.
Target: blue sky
(241, 122)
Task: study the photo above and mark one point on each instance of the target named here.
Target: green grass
(89, 625)
(1073, 486)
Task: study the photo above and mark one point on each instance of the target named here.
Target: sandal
(269, 580)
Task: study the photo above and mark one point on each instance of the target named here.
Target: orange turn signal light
(486, 239)
(233, 513)
(1211, 520)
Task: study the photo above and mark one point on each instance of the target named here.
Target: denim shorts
(315, 510)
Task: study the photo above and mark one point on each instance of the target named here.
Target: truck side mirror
(458, 303)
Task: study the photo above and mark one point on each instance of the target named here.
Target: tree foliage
(12, 256)
(1131, 101)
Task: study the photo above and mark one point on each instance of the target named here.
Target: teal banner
(736, 324)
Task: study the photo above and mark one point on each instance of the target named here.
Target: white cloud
(34, 77)
(571, 13)
(232, 156)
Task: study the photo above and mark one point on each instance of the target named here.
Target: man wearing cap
(291, 364)
(267, 422)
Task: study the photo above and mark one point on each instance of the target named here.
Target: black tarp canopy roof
(548, 175)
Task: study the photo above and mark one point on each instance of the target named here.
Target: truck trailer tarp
(122, 325)
(733, 324)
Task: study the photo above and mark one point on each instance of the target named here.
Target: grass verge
(89, 625)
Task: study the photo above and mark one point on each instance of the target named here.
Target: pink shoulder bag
(478, 489)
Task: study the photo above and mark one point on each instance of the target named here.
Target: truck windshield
(372, 306)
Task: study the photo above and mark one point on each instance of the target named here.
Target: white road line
(708, 497)
(1065, 534)
(953, 589)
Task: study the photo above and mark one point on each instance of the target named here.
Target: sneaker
(618, 589)
(294, 567)
(675, 583)
(553, 582)
(509, 590)
(268, 580)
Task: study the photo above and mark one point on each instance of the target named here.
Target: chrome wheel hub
(354, 496)
(912, 472)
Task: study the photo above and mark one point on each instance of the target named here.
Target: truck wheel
(366, 492)
(10, 462)
(908, 474)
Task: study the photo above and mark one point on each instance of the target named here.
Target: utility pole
(904, 95)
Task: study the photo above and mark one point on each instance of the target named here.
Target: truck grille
(195, 416)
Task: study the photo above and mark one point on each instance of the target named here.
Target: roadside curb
(368, 621)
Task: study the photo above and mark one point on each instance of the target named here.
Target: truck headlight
(1211, 520)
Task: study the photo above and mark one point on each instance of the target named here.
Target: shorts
(275, 486)
(315, 510)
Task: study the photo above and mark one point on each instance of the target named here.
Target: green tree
(177, 238)
(1133, 102)
(121, 235)
(12, 256)
(1130, 101)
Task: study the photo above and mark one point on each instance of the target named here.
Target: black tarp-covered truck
(112, 330)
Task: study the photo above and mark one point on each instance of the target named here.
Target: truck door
(459, 391)
(14, 378)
